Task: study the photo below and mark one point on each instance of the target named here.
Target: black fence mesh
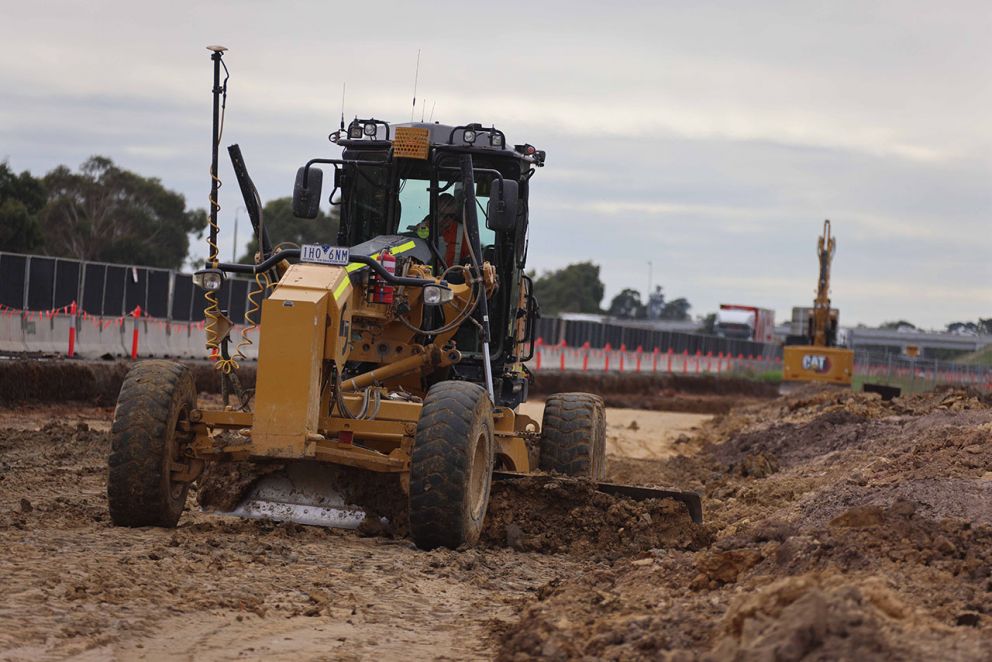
(36, 282)
(576, 333)
(12, 279)
(114, 290)
(41, 283)
(67, 275)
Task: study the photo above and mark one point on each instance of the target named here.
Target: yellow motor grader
(398, 351)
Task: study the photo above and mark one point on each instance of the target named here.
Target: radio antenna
(416, 76)
(344, 86)
(432, 112)
(423, 110)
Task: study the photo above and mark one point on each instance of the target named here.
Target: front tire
(451, 466)
(573, 435)
(146, 446)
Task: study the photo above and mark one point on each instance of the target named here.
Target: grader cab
(400, 351)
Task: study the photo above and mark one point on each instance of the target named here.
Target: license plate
(325, 254)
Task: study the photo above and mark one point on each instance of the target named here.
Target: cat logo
(816, 363)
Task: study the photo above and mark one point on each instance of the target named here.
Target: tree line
(101, 213)
(577, 288)
(104, 213)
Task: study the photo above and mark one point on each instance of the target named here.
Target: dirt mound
(843, 526)
(810, 617)
(553, 516)
(791, 443)
(88, 381)
(702, 394)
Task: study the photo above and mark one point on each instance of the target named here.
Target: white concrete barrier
(12, 333)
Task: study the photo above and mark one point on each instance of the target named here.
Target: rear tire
(573, 435)
(451, 467)
(154, 398)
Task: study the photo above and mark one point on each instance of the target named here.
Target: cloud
(708, 139)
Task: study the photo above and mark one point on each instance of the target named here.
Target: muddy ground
(838, 526)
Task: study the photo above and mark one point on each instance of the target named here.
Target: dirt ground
(837, 526)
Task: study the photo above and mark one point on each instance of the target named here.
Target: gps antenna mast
(416, 76)
(344, 86)
(217, 52)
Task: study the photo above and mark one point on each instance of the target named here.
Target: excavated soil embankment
(698, 394)
(842, 527)
(98, 382)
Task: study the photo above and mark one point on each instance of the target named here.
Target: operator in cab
(452, 238)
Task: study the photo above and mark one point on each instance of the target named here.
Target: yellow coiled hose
(262, 283)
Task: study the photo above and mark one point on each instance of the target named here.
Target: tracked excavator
(820, 359)
(397, 355)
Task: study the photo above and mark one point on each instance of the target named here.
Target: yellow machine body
(315, 321)
(809, 363)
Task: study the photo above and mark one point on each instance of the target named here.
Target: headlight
(435, 295)
(355, 131)
(370, 129)
(468, 136)
(497, 140)
(209, 279)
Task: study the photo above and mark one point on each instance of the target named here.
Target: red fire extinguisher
(384, 291)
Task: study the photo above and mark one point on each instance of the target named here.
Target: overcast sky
(709, 138)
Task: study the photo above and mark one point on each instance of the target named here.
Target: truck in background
(745, 323)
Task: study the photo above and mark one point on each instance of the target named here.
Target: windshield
(732, 330)
(415, 204)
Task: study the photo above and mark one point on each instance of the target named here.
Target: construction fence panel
(619, 336)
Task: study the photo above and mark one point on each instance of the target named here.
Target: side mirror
(502, 212)
(306, 192)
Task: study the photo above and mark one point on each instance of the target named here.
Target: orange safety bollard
(134, 334)
(685, 361)
(654, 365)
(561, 358)
(699, 361)
(670, 352)
(585, 356)
(623, 350)
(72, 330)
(606, 353)
(637, 356)
(539, 343)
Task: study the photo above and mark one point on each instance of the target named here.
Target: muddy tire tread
(147, 407)
(439, 467)
(570, 420)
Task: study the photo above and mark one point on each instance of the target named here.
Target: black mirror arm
(250, 195)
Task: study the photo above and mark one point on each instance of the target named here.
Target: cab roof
(379, 134)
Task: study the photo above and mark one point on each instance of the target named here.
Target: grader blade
(303, 493)
(691, 500)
